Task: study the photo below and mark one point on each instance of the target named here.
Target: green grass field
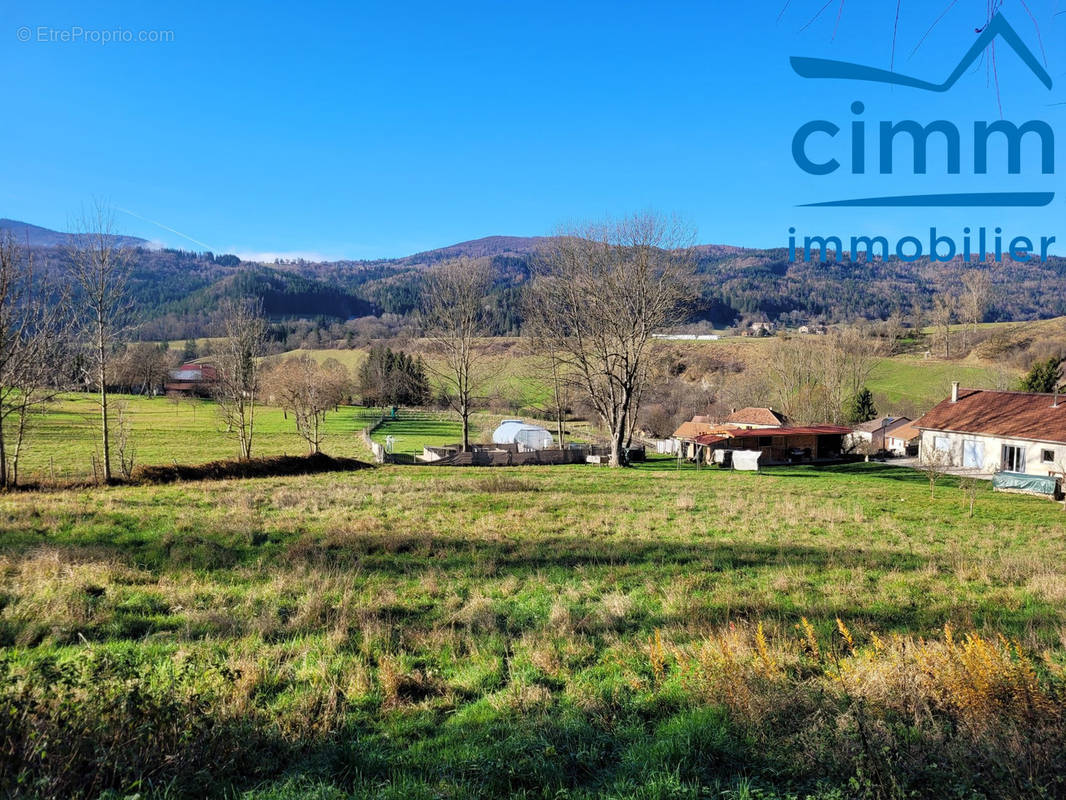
(63, 440)
(416, 430)
(506, 372)
(924, 383)
(906, 380)
(565, 632)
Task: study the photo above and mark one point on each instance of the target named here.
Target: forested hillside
(177, 293)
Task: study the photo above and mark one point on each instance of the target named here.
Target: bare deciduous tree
(454, 314)
(795, 368)
(99, 268)
(240, 351)
(33, 339)
(598, 294)
(548, 362)
(976, 287)
(813, 380)
(849, 356)
(308, 390)
(125, 448)
(142, 368)
(970, 485)
(935, 464)
(944, 308)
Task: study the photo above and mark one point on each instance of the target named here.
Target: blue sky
(365, 130)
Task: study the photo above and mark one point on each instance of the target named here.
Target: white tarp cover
(515, 431)
(747, 460)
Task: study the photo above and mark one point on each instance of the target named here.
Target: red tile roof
(691, 429)
(807, 430)
(1012, 415)
(905, 432)
(756, 416)
(888, 424)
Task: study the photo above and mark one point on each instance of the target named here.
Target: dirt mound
(267, 467)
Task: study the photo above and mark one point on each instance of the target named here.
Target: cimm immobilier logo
(979, 244)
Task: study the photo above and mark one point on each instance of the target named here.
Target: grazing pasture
(570, 632)
(64, 439)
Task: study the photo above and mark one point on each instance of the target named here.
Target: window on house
(973, 454)
(942, 443)
(765, 441)
(1013, 458)
(1047, 456)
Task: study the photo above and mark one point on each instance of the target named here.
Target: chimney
(954, 391)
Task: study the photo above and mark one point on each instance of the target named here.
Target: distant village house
(193, 378)
(878, 436)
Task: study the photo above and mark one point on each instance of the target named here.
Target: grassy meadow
(565, 632)
(411, 432)
(923, 383)
(909, 380)
(62, 441)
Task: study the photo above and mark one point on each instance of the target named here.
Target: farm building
(875, 436)
(783, 445)
(687, 433)
(193, 378)
(523, 434)
(994, 431)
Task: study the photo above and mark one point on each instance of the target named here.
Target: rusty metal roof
(751, 433)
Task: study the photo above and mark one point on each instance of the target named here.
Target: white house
(875, 436)
(903, 440)
(990, 431)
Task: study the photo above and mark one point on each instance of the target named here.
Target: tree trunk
(19, 437)
(618, 442)
(101, 354)
(558, 399)
(464, 412)
(3, 455)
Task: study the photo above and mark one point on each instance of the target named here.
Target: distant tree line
(392, 378)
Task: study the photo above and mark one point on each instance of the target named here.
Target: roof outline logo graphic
(998, 26)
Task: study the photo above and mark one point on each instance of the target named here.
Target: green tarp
(1019, 482)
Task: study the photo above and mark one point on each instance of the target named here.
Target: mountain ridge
(37, 236)
(179, 294)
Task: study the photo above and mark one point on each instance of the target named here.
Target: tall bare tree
(309, 389)
(240, 350)
(976, 287)
(560, 385)
(33, 339)
(100, 269)
(454, 311)
(848, 356)
(944, 309)
(797, 371)
(597, 296)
